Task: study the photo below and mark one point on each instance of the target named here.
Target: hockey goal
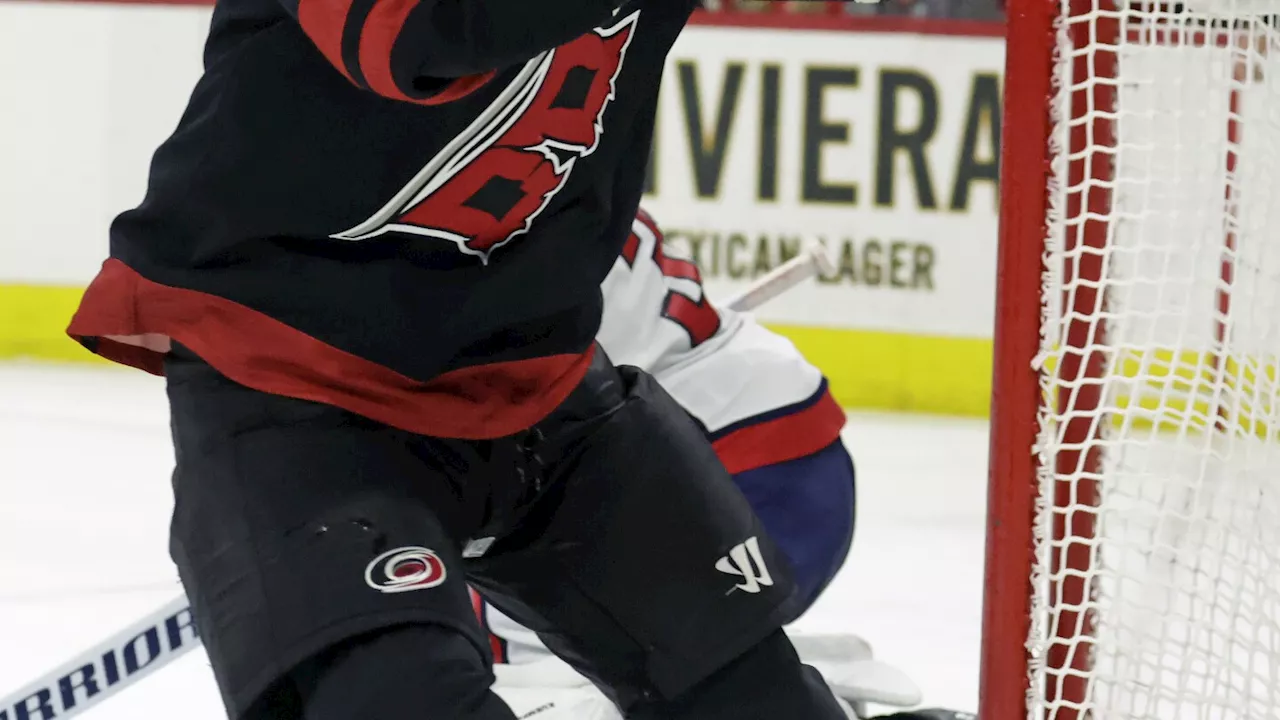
(1133, 561)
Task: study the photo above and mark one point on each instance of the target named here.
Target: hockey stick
(162, 636)
(108, 667)
(813, 261)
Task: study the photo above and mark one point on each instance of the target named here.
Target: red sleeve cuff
(324, 21)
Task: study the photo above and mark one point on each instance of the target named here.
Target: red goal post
(1133, 557)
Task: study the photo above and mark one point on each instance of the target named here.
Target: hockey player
(768, 412)
(773, 424)
(369, 264)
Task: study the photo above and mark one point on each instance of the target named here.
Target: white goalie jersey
(741, 381)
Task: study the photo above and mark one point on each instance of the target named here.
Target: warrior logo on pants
(745, 561)
(405, 569)
(490, 183)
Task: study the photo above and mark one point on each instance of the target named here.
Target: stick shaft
(779, 280)
(105, 669)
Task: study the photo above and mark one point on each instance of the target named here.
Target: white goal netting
(1158, 539)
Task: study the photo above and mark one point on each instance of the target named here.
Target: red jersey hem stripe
(255, 350)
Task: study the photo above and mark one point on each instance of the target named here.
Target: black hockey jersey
(404, 208)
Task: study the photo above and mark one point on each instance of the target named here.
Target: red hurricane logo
(489, 184)
(405, 569)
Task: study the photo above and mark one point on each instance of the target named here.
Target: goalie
(775, 427)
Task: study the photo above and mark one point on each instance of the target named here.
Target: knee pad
(408, 672)
(807, 506)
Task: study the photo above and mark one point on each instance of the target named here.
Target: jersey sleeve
(431, 51)
(759, 400)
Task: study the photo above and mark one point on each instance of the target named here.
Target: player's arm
(413, 50)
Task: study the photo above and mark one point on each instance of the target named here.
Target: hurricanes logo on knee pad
(405, 569)
(745, 561)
